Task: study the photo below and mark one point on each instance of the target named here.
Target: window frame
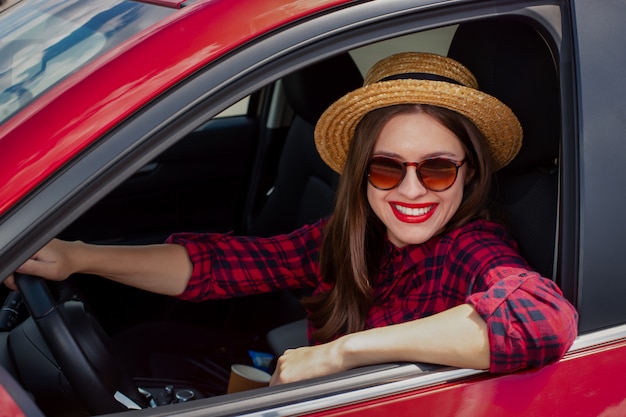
(173, 115)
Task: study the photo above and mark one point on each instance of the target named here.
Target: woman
(408, 268)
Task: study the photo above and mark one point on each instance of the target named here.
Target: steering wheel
(82, 350)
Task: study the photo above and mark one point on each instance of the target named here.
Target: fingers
(10, 282)
(303, 363)
(275, 380)
(283, 366)
(30, 267)
(276, 376)
(49, 262)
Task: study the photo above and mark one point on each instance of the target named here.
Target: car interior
(258, 173)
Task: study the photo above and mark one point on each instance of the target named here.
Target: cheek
(371, 197)
(375, 198)
(454, 199)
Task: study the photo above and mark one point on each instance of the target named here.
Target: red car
(125, 121)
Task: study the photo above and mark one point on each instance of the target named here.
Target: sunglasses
(436, 174)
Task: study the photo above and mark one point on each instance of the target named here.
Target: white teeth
(413, 211)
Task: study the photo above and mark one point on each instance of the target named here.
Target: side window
(240, 108)
(436, 41)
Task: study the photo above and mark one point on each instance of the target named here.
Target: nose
(411, 187)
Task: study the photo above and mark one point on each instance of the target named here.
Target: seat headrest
(512, 62)
(313, 89)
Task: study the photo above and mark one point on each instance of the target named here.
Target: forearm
(163, 269)
(456, 337)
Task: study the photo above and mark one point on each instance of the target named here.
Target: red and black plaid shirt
(530, 323)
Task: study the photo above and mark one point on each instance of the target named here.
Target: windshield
(44, 41)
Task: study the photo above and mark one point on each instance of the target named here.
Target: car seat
(304, 187)
(512, 61)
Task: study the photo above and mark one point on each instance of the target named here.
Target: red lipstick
(413, 213)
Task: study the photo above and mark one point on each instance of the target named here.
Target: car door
(386, 381)
(593, 367)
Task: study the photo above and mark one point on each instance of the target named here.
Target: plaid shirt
(529, 322)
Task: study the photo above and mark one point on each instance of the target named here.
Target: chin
(404, 239)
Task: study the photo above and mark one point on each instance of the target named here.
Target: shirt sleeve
(529, 322)
(227, 266)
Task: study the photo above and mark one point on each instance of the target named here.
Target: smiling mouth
(415, 212)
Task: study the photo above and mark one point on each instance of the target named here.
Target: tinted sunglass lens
(384, 173)
(438, 174)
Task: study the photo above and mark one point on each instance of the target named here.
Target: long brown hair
(354, 237)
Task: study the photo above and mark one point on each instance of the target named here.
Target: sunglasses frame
(417, 165)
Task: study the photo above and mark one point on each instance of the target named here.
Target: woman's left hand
(308, 362)
(456, 337)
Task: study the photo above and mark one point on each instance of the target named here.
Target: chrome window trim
(586, 341)
(370, 393)
(599, 338)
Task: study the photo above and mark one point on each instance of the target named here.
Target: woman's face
(411, 213)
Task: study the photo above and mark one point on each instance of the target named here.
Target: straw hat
(416, 77)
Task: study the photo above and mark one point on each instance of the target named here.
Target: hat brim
(495, 120)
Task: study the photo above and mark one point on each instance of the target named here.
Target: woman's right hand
(52, 262)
